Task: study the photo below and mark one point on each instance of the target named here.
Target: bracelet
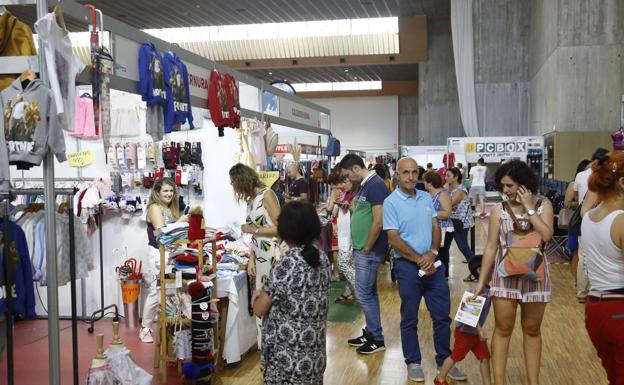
(256, 231)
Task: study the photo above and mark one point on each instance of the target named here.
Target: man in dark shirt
(298, 189)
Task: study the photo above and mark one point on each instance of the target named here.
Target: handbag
(524, 257)
(333, 146)
(563, 221)
(574, 225)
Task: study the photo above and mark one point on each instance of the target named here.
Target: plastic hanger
(59, 18)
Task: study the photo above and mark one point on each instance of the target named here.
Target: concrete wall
(576, 65)
(364, 123)
(501, 51)
(438, 106)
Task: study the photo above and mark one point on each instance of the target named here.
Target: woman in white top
(603, 239)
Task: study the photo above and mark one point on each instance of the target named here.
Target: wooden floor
(568, 357)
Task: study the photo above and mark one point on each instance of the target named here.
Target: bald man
(413, 232)
(298, 188)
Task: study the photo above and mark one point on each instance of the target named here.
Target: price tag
(80, 159)
(178, 279)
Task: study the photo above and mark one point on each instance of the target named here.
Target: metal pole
(99, 220)
(54, 352)
(9, 296)
(72, 278)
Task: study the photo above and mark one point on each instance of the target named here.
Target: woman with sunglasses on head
(162, 209)
(603, 241)
(522, 211)
(462, 217)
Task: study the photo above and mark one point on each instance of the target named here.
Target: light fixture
(270, 73)
(346, 70)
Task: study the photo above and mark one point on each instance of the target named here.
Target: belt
(601, 296)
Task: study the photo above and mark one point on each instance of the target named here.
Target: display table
(240, 331)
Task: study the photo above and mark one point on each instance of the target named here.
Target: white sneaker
(145, 335)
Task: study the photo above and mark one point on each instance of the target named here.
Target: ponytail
(311, 255)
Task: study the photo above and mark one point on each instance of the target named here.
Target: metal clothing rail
(7, 197)
(93, 318)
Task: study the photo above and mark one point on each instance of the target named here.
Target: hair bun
(602, 158)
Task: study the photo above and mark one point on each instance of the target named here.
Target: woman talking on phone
(263, 209)
(522, 212)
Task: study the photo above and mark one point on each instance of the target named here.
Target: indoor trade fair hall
(294, 192)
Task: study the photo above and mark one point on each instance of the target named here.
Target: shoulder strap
(507, 207)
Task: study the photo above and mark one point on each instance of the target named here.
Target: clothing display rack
(51, 266)
(102, 310)
(162, 351)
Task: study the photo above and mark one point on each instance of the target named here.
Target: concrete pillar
(438, 106)
(576, 65)
(408, 120)
(501, 54)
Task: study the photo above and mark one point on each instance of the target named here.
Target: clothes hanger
(59, 18)
(26, 77)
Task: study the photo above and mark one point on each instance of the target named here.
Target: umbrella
(125, 370)
(100, 372)
(95, 82)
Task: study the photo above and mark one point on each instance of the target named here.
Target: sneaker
(145, 335)
(371, 347)
(438, 382)
(415, 372)
(456, 375)
(359, 341)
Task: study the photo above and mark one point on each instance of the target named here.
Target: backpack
(270, 138)
(333, 146)
(524, 257)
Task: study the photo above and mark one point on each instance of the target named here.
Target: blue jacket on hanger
(151, 75)
(23, 292)
(178, 104)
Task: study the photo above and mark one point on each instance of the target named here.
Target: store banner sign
(498, 149)
(297, 113)
(283, 149)
(126, 58)
(80, 159)
(268, 177)
(199, 80)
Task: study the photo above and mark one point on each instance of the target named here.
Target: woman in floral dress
(294, 303)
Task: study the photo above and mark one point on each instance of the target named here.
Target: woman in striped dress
(518, 183)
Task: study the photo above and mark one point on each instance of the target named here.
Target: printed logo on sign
(470, 147)
(300, 114)
(498, 147)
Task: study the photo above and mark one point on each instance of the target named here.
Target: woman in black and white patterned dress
(294, 303)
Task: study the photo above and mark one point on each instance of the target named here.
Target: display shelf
(161, 353)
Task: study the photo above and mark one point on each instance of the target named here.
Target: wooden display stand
(161, 353)
(564, 150)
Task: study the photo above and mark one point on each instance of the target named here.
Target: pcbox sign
(496, 150)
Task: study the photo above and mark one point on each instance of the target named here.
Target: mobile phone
(186, 209)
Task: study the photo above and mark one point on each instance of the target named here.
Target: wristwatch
(531, 212)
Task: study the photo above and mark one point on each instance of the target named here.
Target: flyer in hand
(470, 309)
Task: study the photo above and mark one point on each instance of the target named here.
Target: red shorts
(466, 342)
(605, 322)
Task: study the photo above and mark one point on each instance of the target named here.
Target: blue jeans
(366, 266)
(438, 299)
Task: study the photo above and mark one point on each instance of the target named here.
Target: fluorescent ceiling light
(345, 27)
(337, 86)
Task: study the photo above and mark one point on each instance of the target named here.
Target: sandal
(345, 299)
(470, 278)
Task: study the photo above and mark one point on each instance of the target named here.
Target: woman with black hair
(522, 221)
(294, 302)
(571, 202)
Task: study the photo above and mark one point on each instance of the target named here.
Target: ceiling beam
(412, 49)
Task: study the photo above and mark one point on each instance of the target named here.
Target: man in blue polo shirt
(413, 232)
